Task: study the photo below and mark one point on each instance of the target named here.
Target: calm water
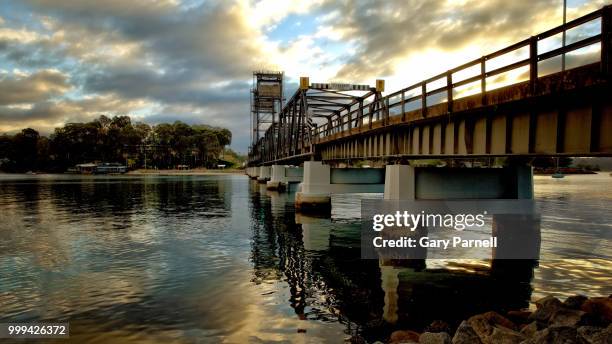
(201, 259)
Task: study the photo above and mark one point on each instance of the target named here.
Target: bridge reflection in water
(320, 259)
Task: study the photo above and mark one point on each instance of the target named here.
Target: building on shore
(103, 168)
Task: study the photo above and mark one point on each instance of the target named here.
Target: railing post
(386, 111)
(606, 40)
(449, 91)
(370, 114)
(424, 99)
(360, 114)
(483, 80)
(533, 64)
(403, 106)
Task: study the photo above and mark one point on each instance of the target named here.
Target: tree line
(114, 139)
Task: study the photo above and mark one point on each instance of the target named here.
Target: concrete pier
(264, 174)
(277, 180)
(399, 182)
(320, 181)
(315, 194)
(282, 176)
(403, 182)
(252, 172)
(512, 230)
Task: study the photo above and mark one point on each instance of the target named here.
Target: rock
(595, 335)
(435, 338)
(599, 309)
(484, 324)
(566, 317)
(554, 335)
(403, 337)
(529, 330)
(547, 302)
(502, 335)
(575, 302)
(356, 339)
(519, 316)
(465, 334)
(546, 307)
(438, 326)
(301, 330)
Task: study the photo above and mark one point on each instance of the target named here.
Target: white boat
(557, 173)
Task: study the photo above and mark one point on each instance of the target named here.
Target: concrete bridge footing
(315, 194)
(277, 179)
(282, 176)
(252, 172)
(264, 174)
(403, 182)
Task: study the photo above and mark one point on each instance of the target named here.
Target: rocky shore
(578, 319)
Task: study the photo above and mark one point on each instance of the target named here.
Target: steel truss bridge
(507, 103)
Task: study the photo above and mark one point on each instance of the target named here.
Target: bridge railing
(522, 58)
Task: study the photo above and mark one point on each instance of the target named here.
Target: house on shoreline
(103, 168)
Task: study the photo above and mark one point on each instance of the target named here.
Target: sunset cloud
(167, 60)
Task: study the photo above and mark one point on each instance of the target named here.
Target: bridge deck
(541, 120)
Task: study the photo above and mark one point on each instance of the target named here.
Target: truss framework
(312, 109)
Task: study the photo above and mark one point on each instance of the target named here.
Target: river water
(199, 259)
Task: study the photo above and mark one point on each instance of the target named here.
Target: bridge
(509, 103)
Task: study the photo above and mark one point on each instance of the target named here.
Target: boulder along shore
(578, 319)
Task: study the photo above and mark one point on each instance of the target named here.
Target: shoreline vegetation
(117, 141)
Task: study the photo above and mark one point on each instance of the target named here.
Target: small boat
(557, 173)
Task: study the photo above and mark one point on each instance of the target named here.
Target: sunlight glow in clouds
(192, 61)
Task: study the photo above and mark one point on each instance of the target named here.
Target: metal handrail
(534, 57)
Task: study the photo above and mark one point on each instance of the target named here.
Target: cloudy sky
(192, 60)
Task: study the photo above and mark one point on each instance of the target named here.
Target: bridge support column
(254, 172)
(403, 182)
(407, 182)
(264, 174)
(399, 182)
(277, 181)
(315, 194)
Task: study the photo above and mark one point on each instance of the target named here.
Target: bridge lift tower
(266, 102)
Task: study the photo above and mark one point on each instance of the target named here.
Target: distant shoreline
(192, 172)
(141, 172)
